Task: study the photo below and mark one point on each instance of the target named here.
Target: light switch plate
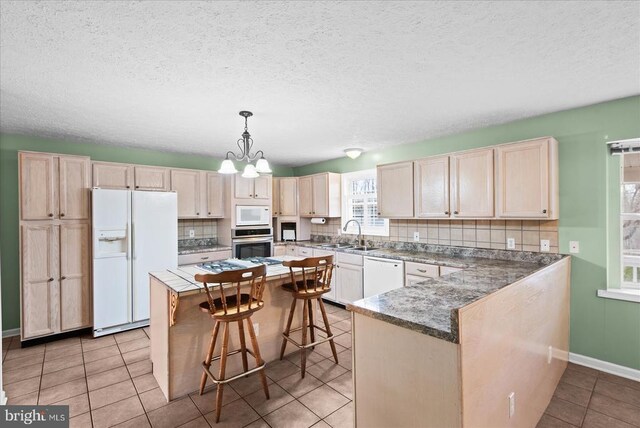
(192, 233)
(574, 247)
(416, 236)
(545, 245)
(511, 243)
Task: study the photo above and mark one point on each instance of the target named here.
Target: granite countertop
(431, 307)
(202, 249)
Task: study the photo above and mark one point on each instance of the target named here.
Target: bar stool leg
(326, 326)
(209, 357)
(288, 328)
(243, 346)
(256, 351)
(305, 324)
(223, 366)
(311, 328)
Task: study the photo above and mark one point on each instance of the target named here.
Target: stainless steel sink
(365, 249)
(336, 246)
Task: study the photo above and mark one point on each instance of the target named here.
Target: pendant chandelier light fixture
(245, 144)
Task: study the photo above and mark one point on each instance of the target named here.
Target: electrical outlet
(416, 236)
(549, 354)
(256, 328)
(545, 245)
(511, 243)
(339, 231)
(574, 247)
(512, 404)
(192, 233)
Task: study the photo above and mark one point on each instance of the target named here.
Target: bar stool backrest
(232, 281)
(316, 273)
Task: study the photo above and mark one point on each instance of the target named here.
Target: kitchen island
(180, 331)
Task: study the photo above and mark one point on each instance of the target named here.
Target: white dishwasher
(382, 275)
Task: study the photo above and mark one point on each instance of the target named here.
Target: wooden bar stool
(310, 279)
(233, 306)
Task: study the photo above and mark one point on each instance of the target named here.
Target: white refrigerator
(134, 233)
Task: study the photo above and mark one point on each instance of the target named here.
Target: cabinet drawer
(410, 280)
(422, 269)
(352, 259)
(446, 270)
(191, 259)
(304, 252)
(322, 253)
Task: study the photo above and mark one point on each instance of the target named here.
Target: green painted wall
(9, 146)
(605, 329)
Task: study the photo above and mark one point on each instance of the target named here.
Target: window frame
(622, 216)
(346, 179)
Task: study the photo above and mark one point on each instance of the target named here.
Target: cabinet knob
(314, 212)
(446, 212)
(544, 211)
(50, 280)
(455, 212)
(128, 187)
(204, 258)
(378, 213)
(50, 214)
(63, 278)
(137, 187)
(197, 213)
(61, 214)
(209, 213)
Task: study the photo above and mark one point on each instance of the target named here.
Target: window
(630, 220)
(360, 202)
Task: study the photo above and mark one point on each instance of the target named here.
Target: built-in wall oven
(252, 242)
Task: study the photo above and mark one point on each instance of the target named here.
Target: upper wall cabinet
(215, 195)
(527, 179)
(395, 190)
(432, 187)
(252, 188)
(152, 178)
(187, 184)
(288, 196)
(472, 184)
(319, 195)
(108, 175)
(53, 186)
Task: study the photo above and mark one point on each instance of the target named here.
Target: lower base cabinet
(331, 295)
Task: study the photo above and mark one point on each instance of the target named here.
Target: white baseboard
(605, 366)
(11, 332)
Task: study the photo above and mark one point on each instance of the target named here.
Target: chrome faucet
(360, 240)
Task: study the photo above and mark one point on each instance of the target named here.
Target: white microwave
(253, 215)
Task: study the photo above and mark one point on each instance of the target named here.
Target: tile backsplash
(203, 228)
(462, 233)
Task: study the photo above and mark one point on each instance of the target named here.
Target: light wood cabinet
(152, 178)
(288, 196)
(432, 187)
(215, 195)
(186, 183)
(395, 190)
(75, 287)
(275, 199)
(319, 195)
(109, 175)
(526, 179)
(252, 188)
(40, 280)
(472, 184)
(53, 186)
(38, 187)
(349, 283)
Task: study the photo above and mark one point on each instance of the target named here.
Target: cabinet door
(187, 184)
(349, 284)
(472, 184)
(40, 285)
(75, 288)
(74, 185)
(331, 295)
(321, 195)
(306, 196)
(262, 187)
(215, 195)
(523, 180)
(279, 250)
(112, 175)
(152, 178)
(38, 187)
(432, 187)
(243, 187)
(275, 200)
(395, 190)
(288, 196)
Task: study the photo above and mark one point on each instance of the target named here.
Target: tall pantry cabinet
(55, 239)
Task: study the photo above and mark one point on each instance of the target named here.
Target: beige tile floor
(108, 382)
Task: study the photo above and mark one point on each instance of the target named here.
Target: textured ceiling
(319, 76)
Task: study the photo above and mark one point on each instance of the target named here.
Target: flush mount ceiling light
(353, 153)
(245, 144)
